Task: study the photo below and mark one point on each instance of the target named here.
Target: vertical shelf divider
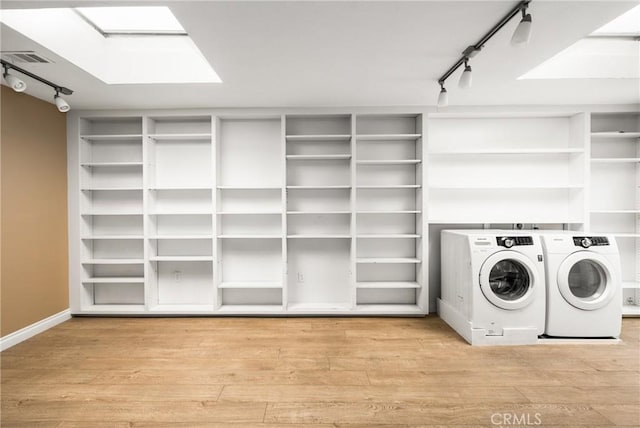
(284, 217)
(422, 226)
(215, 204)
(354, 195)
(149, 294)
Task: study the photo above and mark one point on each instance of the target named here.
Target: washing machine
(493, 286)
(584, 289)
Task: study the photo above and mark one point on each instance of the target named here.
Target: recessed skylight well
(627, 24)
(610, 52)
(132, 20)
(151, 45)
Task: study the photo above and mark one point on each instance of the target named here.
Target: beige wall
(33, 174)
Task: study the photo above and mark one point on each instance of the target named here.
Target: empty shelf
(183, 213)
(181, 259)
(396, 186)
(388, 260)
(616, 134)
(472, 186)
(319, 236)
(106, 213)
(329, 187)
(113, 262)
(615, 160)
(524, 151)
(316, 212)
(389, 284)
(110, 189)
(250, 236)
(110, 164)
(390, 309)
(253, 309)
(194, 136)
(390, 212)
(249, 187)
(109, 237)
(615, 211)
(318, 307)
(202, 187)
(387, 137)
(249, 213)
(388, 235)
(318, 157)
(389, 162)
(319, 137)
(185, 237)
(115, 280)
(250, 284)
(114, 137)
(182, 308)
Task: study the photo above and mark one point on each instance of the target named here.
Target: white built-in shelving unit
(390, 232)
(615, 193)
(111, 221)
(249, 214)
(250, 271)
(505, 169)
(179, 165)
(265, 212)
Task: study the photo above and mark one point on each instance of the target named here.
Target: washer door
(585, 280)
(507, 279)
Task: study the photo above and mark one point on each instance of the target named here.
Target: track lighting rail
(472, 50)
(61, 89)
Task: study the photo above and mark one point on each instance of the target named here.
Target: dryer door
(587, 280)
(508, 280)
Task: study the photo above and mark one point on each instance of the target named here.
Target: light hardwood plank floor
(317, 372)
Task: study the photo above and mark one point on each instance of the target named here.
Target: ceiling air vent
(21, 57)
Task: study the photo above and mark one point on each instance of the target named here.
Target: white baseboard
(29, 331)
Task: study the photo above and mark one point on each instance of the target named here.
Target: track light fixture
(62, 105)
(465, 77)
(14, 83)
(521, 36)
(523, 31)
(443, 98)
(19, 86)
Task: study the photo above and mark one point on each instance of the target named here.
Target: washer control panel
(590, 241)
(511, 241)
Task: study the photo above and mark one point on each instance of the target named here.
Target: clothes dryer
(584, 289)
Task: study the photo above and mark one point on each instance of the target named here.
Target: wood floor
(321, 372)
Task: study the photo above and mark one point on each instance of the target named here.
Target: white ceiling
(342, 53)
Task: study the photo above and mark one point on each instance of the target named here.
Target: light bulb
(443, 98)
(62, 105)
(15, 83)
(466, 77)
(522, 34)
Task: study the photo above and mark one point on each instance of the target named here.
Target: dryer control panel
(511, 241)
(590, 241)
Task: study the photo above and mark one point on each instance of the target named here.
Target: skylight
(627, 24)
(143, 52)
(132, 20)
(610, 52)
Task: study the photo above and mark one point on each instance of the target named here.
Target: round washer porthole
(508, 280)
(586, 281)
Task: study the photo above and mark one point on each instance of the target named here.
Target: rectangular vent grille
(25, 57)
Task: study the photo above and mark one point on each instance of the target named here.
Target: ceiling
(350, 53)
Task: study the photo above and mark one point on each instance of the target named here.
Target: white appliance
(583, 285)
(493, 286)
